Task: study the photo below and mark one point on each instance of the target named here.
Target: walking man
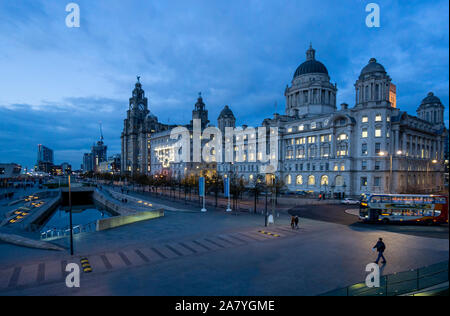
(296, 221)
(380, 247)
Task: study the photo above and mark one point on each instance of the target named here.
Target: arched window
(339, 181)
(299, 180)
(288, 179)
(311, 180)
(324, 180)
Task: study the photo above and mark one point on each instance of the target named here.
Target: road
(336, 214)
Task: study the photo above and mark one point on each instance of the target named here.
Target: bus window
(428, 200)
(428, 213)
(437, 213)
(440, 200)
(375, 199)
(386, 199)
(418, 199)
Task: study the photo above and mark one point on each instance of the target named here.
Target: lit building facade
(370, 147)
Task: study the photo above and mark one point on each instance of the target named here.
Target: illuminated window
(342, 167)
(324, 180)
(311, 139)
(365, 119)
(288, 179)
(378, 118)
(290, 130)
(363, 181)
(301, 127)
(378, 132)
(342, 137)
(364, 133)
(325, 138)
(313, 125)
(311, 180)
(336, 168)
(299, 180)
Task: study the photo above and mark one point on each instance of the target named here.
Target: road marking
(124, 258)
(241, 240)
(141, 255)
(106, 262)
(201, 245)
(41, 273)
(187, 247)
(250, 237)
(227, 240)
(15, 277)
(159, 253)
(174, 250)
(214, 243)
(268, 233)
(86, 265)
(5, 276)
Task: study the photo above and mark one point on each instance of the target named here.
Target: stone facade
(370, 147)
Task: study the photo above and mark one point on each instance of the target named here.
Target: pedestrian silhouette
(380, 247)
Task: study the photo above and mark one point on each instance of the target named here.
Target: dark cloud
(237, 53)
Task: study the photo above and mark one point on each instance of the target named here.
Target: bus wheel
(429, 222)
(385, 221)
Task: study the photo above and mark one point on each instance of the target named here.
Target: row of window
(378, 118)
(324, 152)
(311, 180)
(309, 167)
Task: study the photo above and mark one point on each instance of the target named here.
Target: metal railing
(56, 233)
(399, 283)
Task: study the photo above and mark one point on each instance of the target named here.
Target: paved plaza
(214, 253)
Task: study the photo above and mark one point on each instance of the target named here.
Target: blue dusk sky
(58, 83)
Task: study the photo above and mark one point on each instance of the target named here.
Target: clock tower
(138, 101)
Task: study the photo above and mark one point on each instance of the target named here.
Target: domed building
(311, 91)
(431, 110)
(226, 119)
(370, 146)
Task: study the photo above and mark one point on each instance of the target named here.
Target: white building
(372, 146)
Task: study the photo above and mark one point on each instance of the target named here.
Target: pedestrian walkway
(54, 271)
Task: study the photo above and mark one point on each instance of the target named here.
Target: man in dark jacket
(380, 247)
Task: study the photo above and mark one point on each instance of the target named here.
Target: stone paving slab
(28, 275)
(54, 271)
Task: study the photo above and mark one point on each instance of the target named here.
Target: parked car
(348, 201)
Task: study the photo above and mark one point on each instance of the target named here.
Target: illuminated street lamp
(385, 154)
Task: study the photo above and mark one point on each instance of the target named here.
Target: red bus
(387, 208)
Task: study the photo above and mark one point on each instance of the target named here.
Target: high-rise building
(44, 158)
(88, 162)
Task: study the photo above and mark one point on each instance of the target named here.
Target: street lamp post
(70, 217)
(390, 167)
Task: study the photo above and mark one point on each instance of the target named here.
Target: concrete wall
(117, 221)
